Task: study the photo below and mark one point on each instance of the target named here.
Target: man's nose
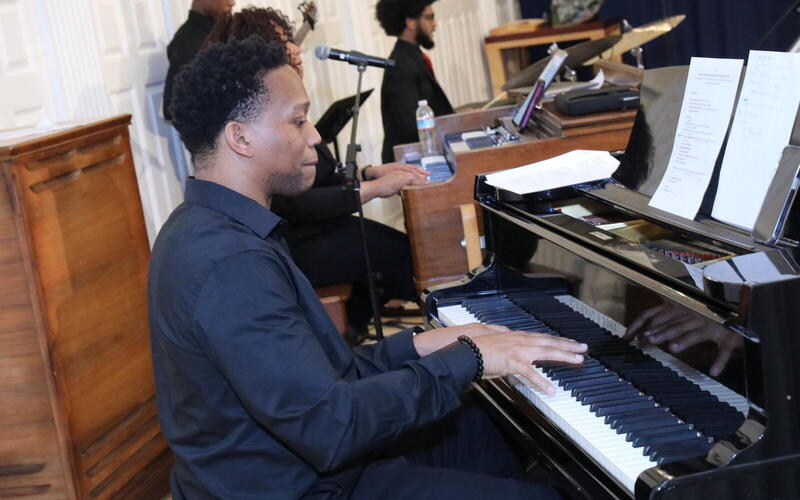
(314, 138)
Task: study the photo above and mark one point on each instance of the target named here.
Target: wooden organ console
(432, 216)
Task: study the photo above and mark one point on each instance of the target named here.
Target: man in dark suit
(412, 78)
(189, 39)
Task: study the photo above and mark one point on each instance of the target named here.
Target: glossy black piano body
(746, 283)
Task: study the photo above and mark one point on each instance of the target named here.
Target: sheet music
(705, 114)
(761, 129)
(576, 167)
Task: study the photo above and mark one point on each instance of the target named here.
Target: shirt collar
(235, 205)
(408, 46)
(203, 21)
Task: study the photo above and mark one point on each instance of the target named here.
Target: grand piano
(643, 419)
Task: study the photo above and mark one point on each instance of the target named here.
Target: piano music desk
(432, 214)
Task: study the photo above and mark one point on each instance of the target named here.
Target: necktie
(428, 64)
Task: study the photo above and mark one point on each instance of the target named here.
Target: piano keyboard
(628, 408)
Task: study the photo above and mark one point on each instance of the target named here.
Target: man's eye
(300, 123)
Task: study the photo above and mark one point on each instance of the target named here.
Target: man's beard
(425, 41)
(285, 184)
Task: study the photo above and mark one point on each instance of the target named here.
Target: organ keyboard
(639, 420)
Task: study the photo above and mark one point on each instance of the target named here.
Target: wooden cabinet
(432, 214)
(77, 396)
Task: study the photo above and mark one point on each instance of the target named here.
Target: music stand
(336, 117)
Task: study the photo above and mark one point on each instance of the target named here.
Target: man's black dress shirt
(186, 43)
(408, 82)
(258, 395)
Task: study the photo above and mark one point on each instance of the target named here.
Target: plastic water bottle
(426, 127)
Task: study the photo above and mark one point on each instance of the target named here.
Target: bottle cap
(423, 102)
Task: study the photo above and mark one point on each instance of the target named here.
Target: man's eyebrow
(303, 106)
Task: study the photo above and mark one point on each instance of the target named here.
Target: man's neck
(408, 36)
(238, 183)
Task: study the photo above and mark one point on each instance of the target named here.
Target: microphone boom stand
(350, 174)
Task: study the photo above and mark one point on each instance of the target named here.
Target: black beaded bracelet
(364, 173)
(478, 356)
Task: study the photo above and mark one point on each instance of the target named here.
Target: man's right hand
(513, 353)
(390, 184)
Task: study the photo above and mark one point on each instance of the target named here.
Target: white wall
(64, 60)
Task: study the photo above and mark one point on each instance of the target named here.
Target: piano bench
(334, 298)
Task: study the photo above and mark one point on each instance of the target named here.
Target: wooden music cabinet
(77, 396)
(432, 213)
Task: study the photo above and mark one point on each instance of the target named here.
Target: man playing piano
(258, 395)
(412, 78)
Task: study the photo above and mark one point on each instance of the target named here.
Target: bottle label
(425, 124)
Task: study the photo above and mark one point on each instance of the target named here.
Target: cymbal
(640, 36)
(578, 53)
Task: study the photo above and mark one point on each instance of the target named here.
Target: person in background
(323, 235)
(188, 40)
(258, 395)
(412, 78)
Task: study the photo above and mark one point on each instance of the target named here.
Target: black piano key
(602, 381)
(605, 399)
(610, 395)
(675, 456)
(561, 367)
(665, 438)
(606, 410)
(693, 447)
(657, 431)
(646, 423)
(580, 373)
(658, 412)
(711, 413)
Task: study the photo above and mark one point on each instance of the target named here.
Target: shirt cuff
(461, 360)
(400, 347)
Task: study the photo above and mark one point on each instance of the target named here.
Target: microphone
(352, 57)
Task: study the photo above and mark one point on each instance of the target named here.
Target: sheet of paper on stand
(761, 129)
(576, 167)
(705, 114)
(563, 87)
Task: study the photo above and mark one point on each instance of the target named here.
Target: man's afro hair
(224, 82)
(392, 14)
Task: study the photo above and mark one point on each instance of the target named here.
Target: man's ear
(239, 139)
(411, 24)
